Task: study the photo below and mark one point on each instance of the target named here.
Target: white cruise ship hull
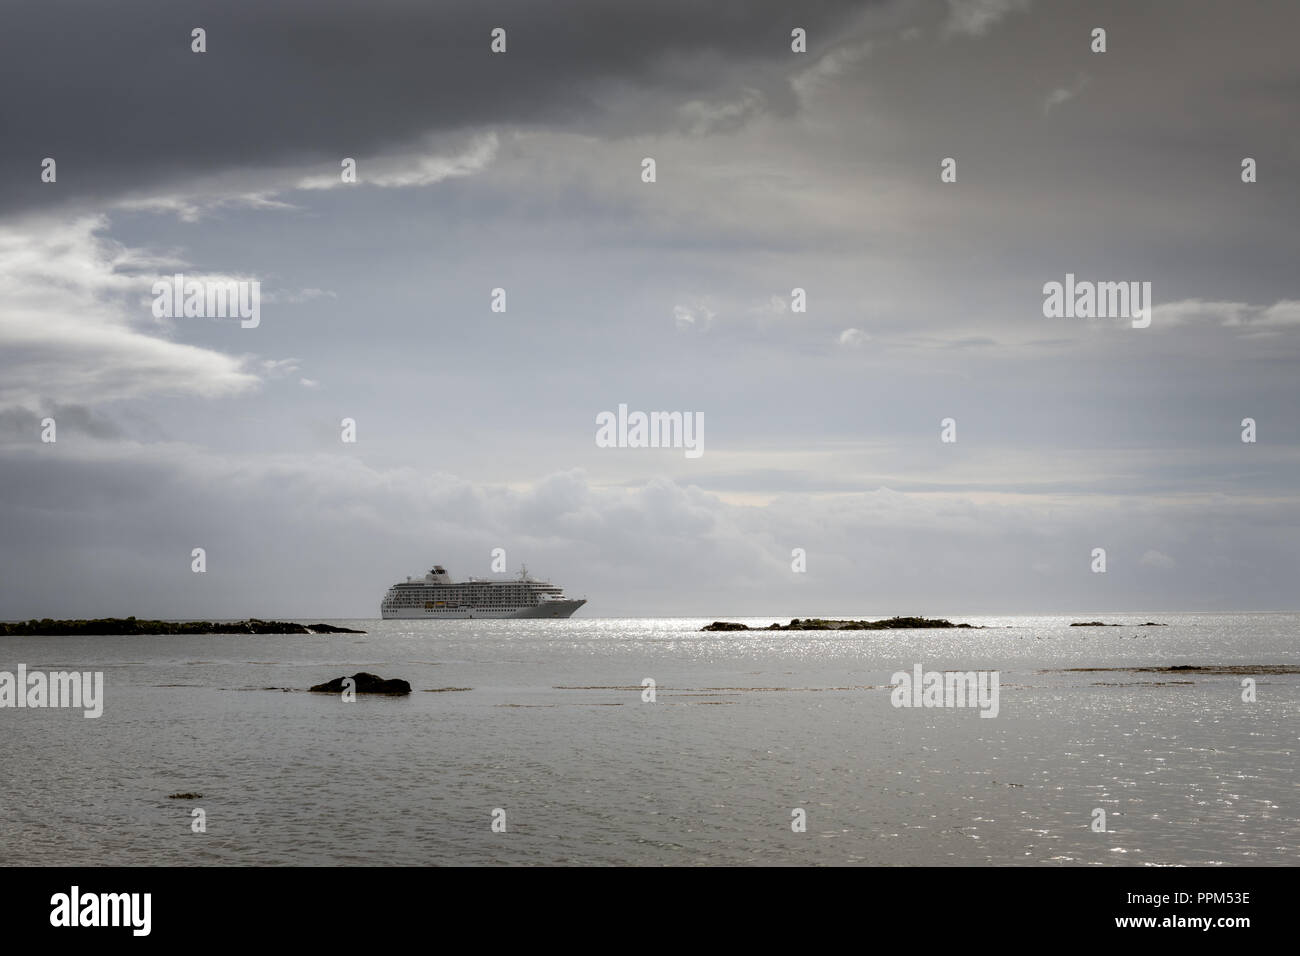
(547, 609)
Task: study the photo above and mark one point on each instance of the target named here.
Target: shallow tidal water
(545, 720)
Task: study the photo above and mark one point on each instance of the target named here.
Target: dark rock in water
(366, 684)
(889, 624)
(184, 796)
(821, 624)
(1216, 670)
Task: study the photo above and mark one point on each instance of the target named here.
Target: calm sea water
(545, 720)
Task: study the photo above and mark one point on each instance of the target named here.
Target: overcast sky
(775, 170)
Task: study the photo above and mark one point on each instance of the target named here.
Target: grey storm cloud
(116, 96)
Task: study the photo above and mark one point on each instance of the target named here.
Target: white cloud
(1063, 94)
(700, 117)
(280, 368)
(297, 298)
(420, 169)
(193, 208)
(695, 314)
(1156, 559)
(76, 328)
(264, 188)
(853, 338)
(977, 17)
(830, 66)
(1240, 316)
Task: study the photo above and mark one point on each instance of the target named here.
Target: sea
(647, 741)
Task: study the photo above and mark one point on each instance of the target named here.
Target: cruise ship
(436, 596)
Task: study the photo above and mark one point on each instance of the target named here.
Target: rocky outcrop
(1104, 624)
(1212, 670)
(365, 684)
(129, 625)
(822, 624)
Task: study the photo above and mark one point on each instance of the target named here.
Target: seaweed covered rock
(823, 624)
(364, 683)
